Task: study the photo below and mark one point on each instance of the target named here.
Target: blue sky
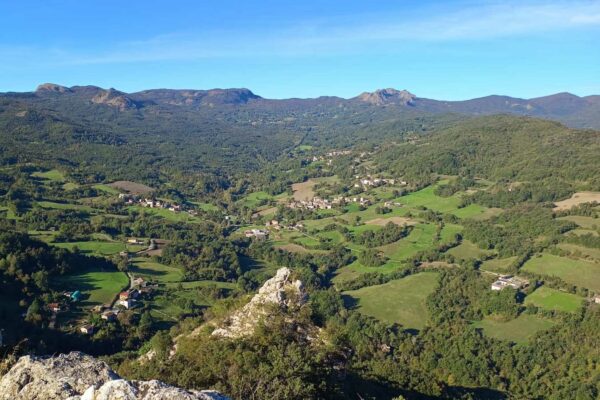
(438, 49)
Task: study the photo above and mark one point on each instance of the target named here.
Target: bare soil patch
(395, 220)
(131, 187)
(577, 198)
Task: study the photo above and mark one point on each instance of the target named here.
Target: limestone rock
(77, 376)
(388, 96)
(52, 87)
(114, 98)
(279, 291)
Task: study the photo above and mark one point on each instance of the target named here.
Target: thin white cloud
(348, 35)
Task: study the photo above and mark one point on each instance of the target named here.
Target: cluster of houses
(329, 156)
(150, 203)
(127, 299)
(318, 203)
(274, 224)
(260, 234)
(508, 281)
(369, 181)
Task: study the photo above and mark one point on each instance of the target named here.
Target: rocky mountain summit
(279, 291)
(77, 376)
(114, 98)
(388, 96)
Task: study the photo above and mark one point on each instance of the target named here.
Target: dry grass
(267, 211)
(304, 190)
(131, 187)
(293, 248)
(577, 198)
(395, 220)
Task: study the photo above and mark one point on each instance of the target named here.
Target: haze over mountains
(572, 110)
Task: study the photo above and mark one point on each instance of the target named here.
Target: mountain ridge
(572, 110)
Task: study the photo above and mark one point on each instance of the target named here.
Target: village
(131, 199)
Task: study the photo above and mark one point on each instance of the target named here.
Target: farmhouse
(512, 282)
(87, 329)
(109, 316)
(256, 233)
(139, 282)
(135, 241)
(597, 299)
(127, 303)
(54, 307)
(272, 224)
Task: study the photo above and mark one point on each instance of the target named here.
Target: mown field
(577, 272)
(499, 265)
(153, 271)
(519, 330)
(97, 286)
(552, 299)
(400, 301)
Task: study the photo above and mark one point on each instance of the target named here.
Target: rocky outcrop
(52, 88)
(114, 98)
(197, 98)
(279, 291)
(77, 376)
(388, 96)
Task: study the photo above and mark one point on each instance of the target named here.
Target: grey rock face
(279, 290)
(77, 376)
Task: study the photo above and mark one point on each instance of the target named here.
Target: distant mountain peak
(388, 96)
(52, 87)
(114, 98)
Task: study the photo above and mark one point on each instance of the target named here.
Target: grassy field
(253, 199)
(475, 211)
(499, 265)
(586, 252)
(577, 272)
(97, 286)
(166, 214)
(577, 198)
(64, 206)
(420, 238)
(99, 248)
(205, 206)
(154, 271)
(519, 330)
(584, 222)
(400, 301)
(468, 250)
(53, 175)
(552, 299)
(106, 189)
(427, 198)
(196, 284)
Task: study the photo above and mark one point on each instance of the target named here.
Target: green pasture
(151, 270)
(97, 286)
(399, 301)
(576, 272)
(552, 299)
(519, 330)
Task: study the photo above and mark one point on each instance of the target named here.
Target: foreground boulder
(77, 376)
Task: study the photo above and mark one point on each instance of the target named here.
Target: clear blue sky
(279, 48)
